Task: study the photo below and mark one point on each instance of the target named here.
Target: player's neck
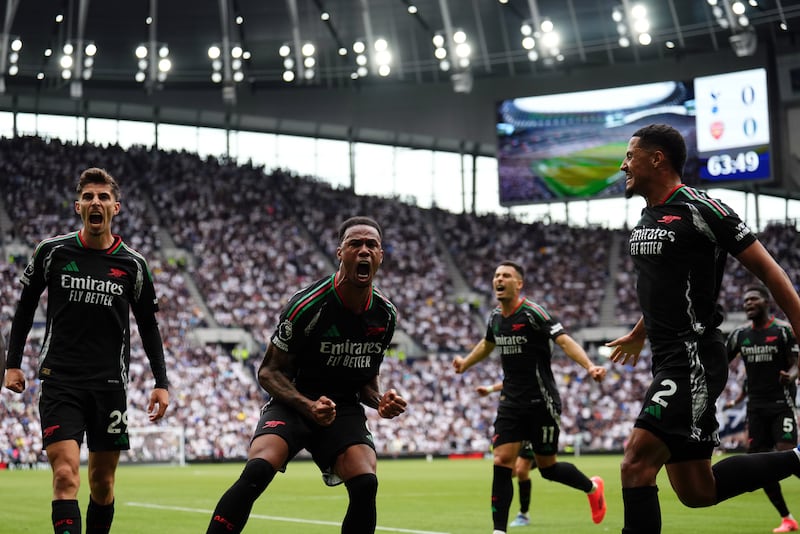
(662, 191)
(354, 298)
(510, 306)
(98, 242)
(762, 321)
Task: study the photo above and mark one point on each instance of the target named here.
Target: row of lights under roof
(635, 24)
(381, 55)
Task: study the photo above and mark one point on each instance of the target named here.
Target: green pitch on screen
(582, 173)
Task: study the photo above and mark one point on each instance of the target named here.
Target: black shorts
(767, 425)
(680, 404)
(325, 443)
(526, 451)
(68, 413)
(536, 424)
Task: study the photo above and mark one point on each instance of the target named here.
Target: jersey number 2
(670, 387)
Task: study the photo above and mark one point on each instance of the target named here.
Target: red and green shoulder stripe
(685, 191)
(49, 240)
(310, 297)
(528, 304)
(782, 323)
(377, 293)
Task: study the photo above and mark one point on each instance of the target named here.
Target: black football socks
(361, 512)
(99, 517)
(642, 510)
(66, 516)
(524, 495)
(233, 508)
(502, 493)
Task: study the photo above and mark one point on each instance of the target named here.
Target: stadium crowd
(252, 237)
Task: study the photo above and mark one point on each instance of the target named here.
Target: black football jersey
(90, 294)
(336, 351)
(765, 352)
(523, 340)
(679, 249)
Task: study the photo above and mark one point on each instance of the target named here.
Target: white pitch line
(277, 518)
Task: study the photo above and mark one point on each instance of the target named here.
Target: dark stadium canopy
(588, 36)
(418, 104)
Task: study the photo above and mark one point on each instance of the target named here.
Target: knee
(505, 459)
(66, 479)
(257, 474)
(696, 499)
(362, 487)
(101, 487)
(636, 471)
(549, 472)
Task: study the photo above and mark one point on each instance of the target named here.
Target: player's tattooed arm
(273, 375)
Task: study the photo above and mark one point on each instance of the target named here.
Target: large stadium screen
(570, 146)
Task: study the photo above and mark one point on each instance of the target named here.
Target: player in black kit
(93, 282)
(530, 406)
(679, 249)
(525, 463)
(321, 365)
(769, 351)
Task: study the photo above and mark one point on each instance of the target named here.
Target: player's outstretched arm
(758, 261)
(576, 353)
(488, 390)
(628, 347)
(480, 352)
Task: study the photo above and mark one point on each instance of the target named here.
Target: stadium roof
(587, 35)
(418, 104)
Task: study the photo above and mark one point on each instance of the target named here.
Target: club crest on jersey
(666, 219)
(375, 330)
(516, 327)
(273, 424)
(116, 273)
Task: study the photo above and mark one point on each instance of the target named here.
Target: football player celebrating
(321, 366)
(530, 405)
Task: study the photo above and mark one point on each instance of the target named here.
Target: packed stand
(565, 267)
(253, 239)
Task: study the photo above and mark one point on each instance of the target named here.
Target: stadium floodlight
(633, 25)
(731, 15)
(154, 63)
(15, 45)
(235, 61)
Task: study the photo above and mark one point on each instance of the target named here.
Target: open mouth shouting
(363, 271)
(96, 217)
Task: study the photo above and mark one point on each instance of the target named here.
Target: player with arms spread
(93, 282)
(321, 365)
(769, 350)
(530, 406)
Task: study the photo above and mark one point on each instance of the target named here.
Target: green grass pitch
(415, 497)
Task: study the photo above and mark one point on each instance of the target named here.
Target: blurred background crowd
(229, 243)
